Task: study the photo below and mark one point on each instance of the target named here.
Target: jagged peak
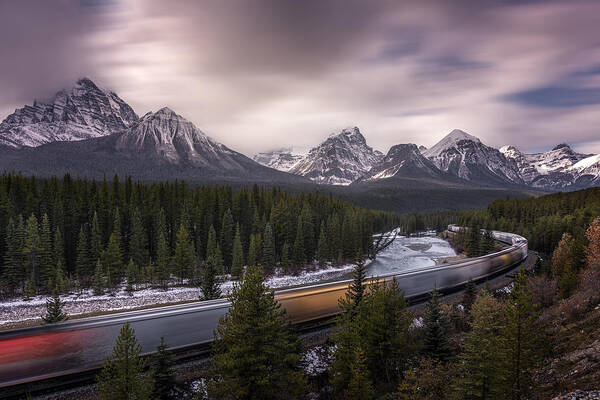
(458, 134)
(562, 146)
(403, 148)
(87, 82)
(350, 133)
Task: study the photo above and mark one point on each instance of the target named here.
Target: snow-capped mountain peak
(281, 159)
(466, 157)
(449, 141)
(341, 159)
(85, 111)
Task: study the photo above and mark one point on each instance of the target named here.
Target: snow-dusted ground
(405, 253)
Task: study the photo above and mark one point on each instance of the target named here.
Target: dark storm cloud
(269, 73)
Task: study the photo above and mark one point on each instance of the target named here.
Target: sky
(262, 74)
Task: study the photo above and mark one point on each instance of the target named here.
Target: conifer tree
(122, 377)
(54, 309)
(469, 295)
(46, 259)
(117, 232)
(138, 244)
(132, 273)
(163, 375)
(95, 239)
(226, 242)
(211, 243)
(437, 327)
(268, 253)
(286, 256)
(84, 263)
(252, 251)
(58, 248)
(523, 336)
(13, 257)
(563, 268)
(29, 289)
(323, 246)
(237, 261)
(58, 281)
(211, 286)
(481, 360)
(31, 250)
(99, 282)
(360, 387)
(112, 261)
(185, 258)
(255, 354)
(162, 260)
(298, 252)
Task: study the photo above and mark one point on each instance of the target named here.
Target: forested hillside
(77, 232)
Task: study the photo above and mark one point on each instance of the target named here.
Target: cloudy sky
(261, 74)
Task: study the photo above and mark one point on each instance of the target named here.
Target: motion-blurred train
(36, 353)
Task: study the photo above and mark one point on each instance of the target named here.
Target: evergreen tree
(58, 281)
(437, 327)
(14, 273)
(58, 248)
(323, 246)
(132, 273)
(252, 251)
(29, 289)
(46, 259)
(54, 309)
(226, 242)
(469, 295)
(487, 243)
(122, 377)
(298, 252)
(117, 232)
(112, 261)
(211, 286)
(185, 258)
(84, 263)
(360, 387)
(163, 260)
(138, 244)
(211, 243)
(96, 245)
(31, 250)
(99, 282)
(163, 375)
(523, 340)
(255, 353)
(268, 253)
(237, 261)
(563, 268)
(286, 256)
(481, 360)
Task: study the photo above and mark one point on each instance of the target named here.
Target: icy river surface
(408, 253)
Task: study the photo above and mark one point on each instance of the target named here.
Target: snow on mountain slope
(587, 171)
(406, 161)
(339, 160)
(280, 159)
(559, 159)
(170, 137)
(466, 157)
(527, 171)
(83, 112)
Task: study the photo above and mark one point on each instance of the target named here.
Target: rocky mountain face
(168, 137)
(280, 159)
(83, 112)
(340, 160)
(553, 169)
(466, 157)
(404, 161)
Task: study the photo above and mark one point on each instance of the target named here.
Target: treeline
(542, 220)
(68, 232)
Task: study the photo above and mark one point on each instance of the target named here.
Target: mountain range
(90, 131)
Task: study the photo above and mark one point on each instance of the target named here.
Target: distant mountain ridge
(83, 112)
(87, 130)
